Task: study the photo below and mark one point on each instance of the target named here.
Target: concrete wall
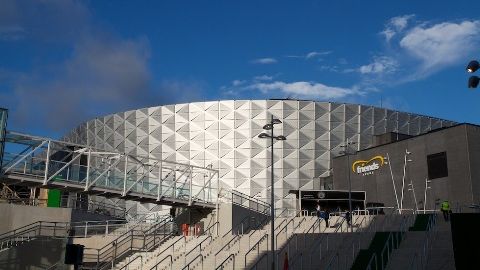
(460, 187)
(34, 255)
(15, 216)
(230, 215)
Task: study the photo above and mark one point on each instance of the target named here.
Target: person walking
(445, 208)
(327, 216)
(319, 210)
(348, 217)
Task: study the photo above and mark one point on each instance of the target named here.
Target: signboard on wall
(368, 167)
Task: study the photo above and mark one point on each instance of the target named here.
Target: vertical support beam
(47, 163)
(218, 196)
(125, 175)
(159, 188)
(88, 168)
(191, 186)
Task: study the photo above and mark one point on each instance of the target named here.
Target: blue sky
(64, 61)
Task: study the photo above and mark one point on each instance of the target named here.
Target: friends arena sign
(367, 167)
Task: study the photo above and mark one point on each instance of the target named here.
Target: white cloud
(237, 82)
(305, 89)
(380, 65)
(265, 61)
(442, 44)
(396, 25)
(310, 55)
(263, 78)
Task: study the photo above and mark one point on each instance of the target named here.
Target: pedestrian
(327, 216)
(445, 208)
(348, 218)
(319, 212)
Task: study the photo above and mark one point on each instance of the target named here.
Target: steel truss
(37, 161)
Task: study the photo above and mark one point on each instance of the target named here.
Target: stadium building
(224, 135)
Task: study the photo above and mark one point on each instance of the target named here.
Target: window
(437, 165)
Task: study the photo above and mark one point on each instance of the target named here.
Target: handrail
(300, 223)
(227, 244)
(236, 226)
(172, 245)
(107, 255)
(199, 245)
(255, 266)
(171, 262)
(220, 267)
(369, 265)
(126, 265)
(253, 247)
(298, 257)
(280, 215)
(336, 256)
(251, 199)
(286, 231)
(283, 221)
(187, 266)
(315, 244)
(210, 227)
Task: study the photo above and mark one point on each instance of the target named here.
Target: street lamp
(473, 81)
(346, 146)
(412, 189)
(264, 135)
(427, 187)
(393, 181)
(403, 178)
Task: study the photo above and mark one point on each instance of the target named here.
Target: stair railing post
(47, 163)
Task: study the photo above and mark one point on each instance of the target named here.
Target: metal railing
(32, 231)
(187, 266)
(161, 261)
(420, 259)
(126, 266)
(323, 241)
(132, 241)
(172, 247)
(263, 258)
(250, 202)
(199, 247)
(257, 245)
(222, 265)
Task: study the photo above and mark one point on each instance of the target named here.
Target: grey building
(440, 165)
(223, 134)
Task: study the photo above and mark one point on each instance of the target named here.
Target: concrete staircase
(439, 250)
(305, 240)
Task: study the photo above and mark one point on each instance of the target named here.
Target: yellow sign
(367, 167)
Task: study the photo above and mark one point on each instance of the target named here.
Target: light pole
(393, 181)
(412, 189)
(473, 81)
(264, 135)
(425, 195)
(346, 147)
(403, 178)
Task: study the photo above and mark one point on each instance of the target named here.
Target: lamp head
(276, 121)
(280, 138)
(263, 135)
(473, 66)
(268, 127)
(473, 82)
